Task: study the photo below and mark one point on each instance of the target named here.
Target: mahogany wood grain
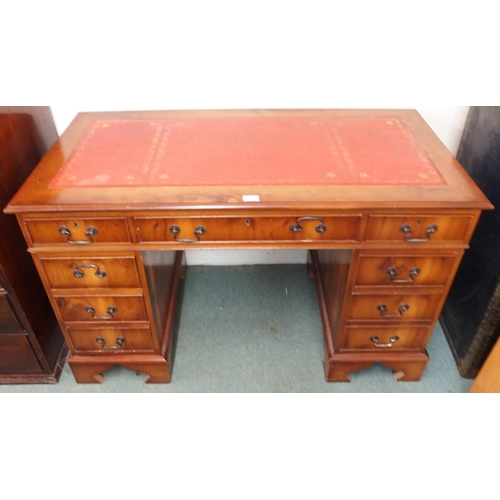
(17, 356)
(26, 134)
(8, 320)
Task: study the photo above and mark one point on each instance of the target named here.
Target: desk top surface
(251, 160)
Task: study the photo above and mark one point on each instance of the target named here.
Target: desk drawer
(393, 307)
(76, 232)
(102, 308)
(93, 272)
(8, 320)
(108, 340)
(387, 338)
(192, 230)
(417, 229)
(404, 270)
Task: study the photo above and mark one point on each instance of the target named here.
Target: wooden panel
(159, 268)
(390, 228)
(419, 307)
(334, 268)
(408, 270)
(341, 228)
(17, 356)
(26, 133)
(128, 308)
(408, 337)
(8, 319)
(113, 339)
(93, 272)
(79, 231)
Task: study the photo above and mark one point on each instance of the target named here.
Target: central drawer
(8, 320)
(102, 308)
(192, 230)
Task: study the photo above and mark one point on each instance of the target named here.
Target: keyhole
(75, 224)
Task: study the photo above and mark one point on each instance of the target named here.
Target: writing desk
(384, 208)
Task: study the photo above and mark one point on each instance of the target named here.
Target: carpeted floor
(257, 329)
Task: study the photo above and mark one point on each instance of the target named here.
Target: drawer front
(387, 338)
(93, 272)
(74, 232)
(102, 308)
(393, 307)
(192, 230)
(8, 320)
(415, 229)
(108, 340)
(17, 356)
(404, 270)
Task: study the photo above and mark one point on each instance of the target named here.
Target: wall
(259, 54)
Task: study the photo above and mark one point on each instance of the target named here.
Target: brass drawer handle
(111, 310)
(406, 230)
(78, 273)
(119, 343)
(175, 230)
(383, 308)
(91, 231)
(390, 344)
(392, 272)
(320, 228)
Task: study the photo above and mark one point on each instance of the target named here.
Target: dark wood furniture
(32, 347)
(471, 313)
(384, 208)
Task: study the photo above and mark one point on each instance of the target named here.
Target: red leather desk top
(247, 151)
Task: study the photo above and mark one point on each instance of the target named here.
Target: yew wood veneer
(384, 209)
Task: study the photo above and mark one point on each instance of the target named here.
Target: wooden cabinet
(471, 313)
(385, 210)
(32, 347)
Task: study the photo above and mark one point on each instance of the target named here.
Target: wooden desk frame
(383, 259)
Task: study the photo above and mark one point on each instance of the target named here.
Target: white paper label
(251, 197)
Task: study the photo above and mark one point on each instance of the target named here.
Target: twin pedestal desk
(384, 209)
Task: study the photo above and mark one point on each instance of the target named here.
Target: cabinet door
(8, 320)
(17, 356)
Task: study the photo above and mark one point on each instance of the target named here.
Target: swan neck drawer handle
(407, 231)
(119, 343)
(111, 311)
(390, 344)
(89, 233)
(320, 228)
(392, 273)
(78, 273)
(199, 231)
(382, 308)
